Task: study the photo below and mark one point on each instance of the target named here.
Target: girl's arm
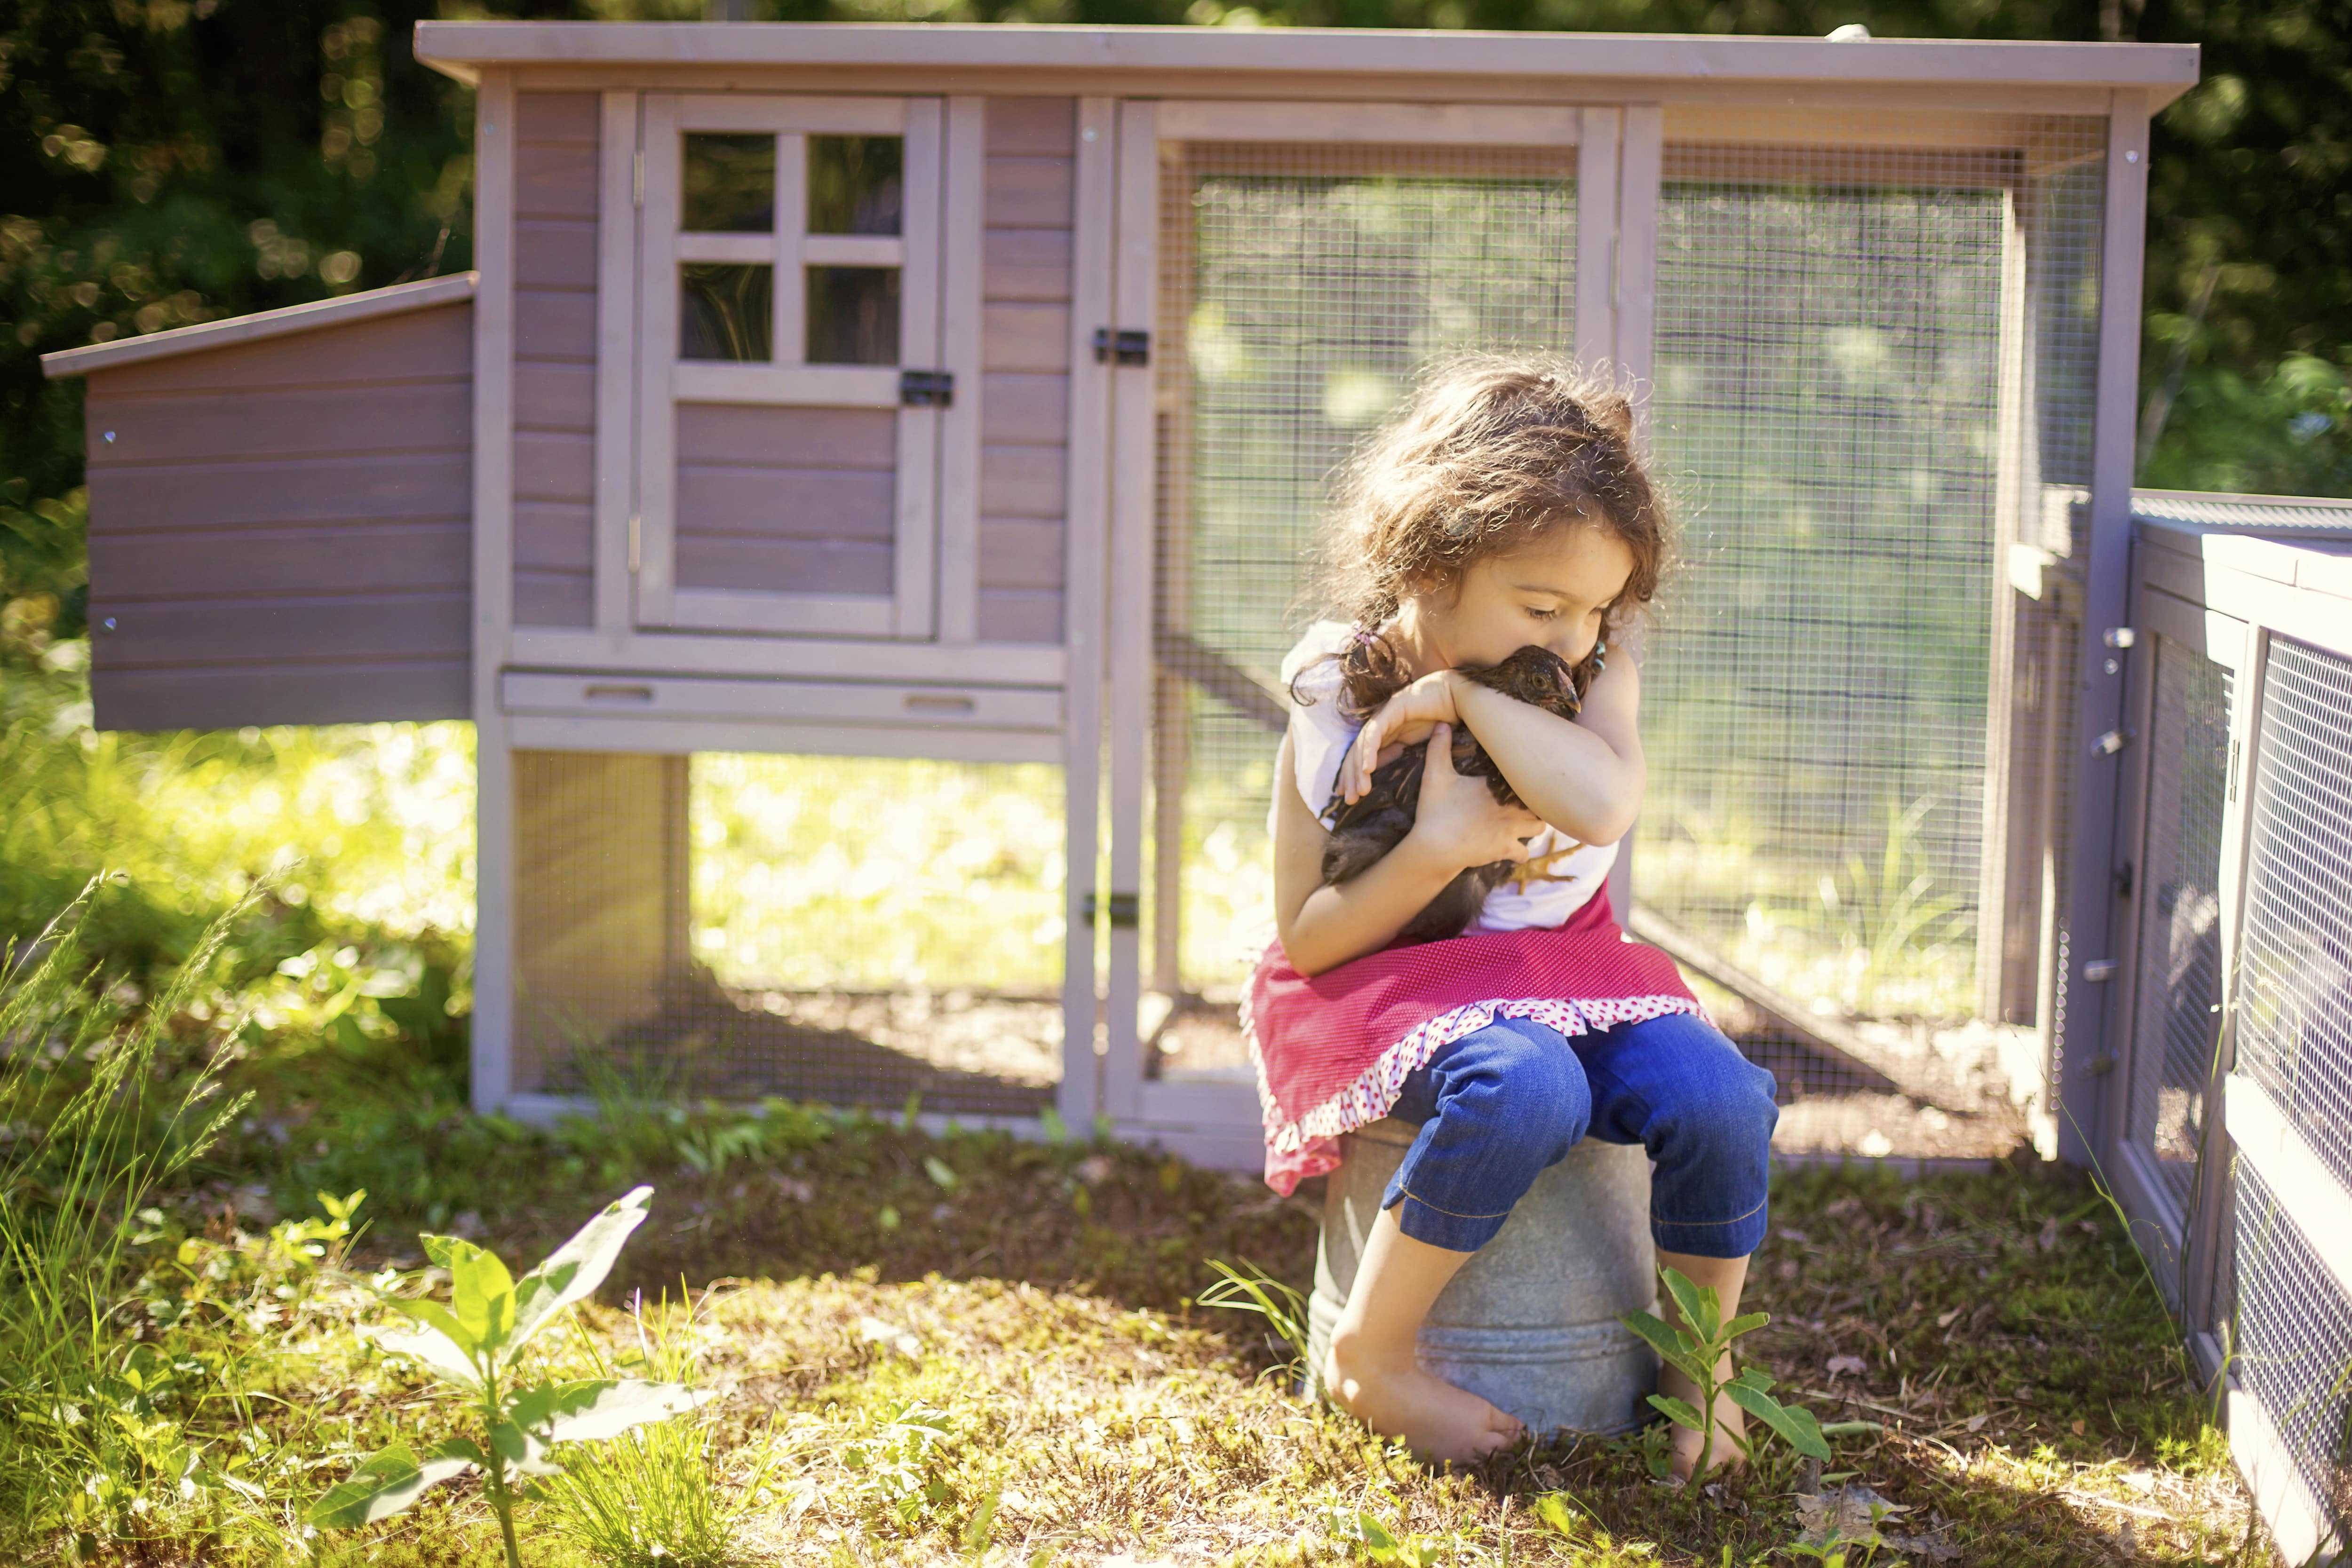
(1584, 777)
(1457, 824)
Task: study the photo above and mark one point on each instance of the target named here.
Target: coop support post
(2089, 930)
(1134, 471)
(1633, 322)
(492, 1031)
(1087, 611)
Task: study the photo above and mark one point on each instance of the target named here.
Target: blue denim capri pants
(1505, 1102)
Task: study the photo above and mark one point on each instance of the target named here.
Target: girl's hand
(1458, 819)
(1405, 718)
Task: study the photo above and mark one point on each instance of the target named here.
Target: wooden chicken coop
(967, 393)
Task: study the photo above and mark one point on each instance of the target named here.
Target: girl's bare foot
(1730, 1424)
(1438, 1420)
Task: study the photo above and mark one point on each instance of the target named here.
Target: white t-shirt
(1564, 878)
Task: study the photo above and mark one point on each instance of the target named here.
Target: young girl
(1505, 509)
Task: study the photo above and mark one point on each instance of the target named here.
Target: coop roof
(2202, 510)
(1277, 58)
(310, 318)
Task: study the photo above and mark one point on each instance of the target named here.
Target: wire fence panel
(1873, 369)
(848, 930)
(2294, 1341)
(2177, 993)
(1304, 288)
(2294, 1007)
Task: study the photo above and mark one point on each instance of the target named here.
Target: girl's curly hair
(1493, 451)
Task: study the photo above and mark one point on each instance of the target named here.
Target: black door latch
(1126, 346)
(927, 389)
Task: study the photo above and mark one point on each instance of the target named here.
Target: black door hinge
(2124, 880)
(927, 389)
(1126, 909)
(1126, 346)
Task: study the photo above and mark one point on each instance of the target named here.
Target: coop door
(1296, 267)
(792, 389)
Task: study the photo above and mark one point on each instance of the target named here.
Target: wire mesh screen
(2295, 1009)
(852, 931)
(1874, 358)
(2292, 1343)
(2177, 994)
(1303, 289)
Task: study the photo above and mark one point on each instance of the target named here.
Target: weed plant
(651, 1498)
(96, 1123)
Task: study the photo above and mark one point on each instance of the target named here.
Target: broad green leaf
(1555, 1510)
(1794, 1423)
(1681, 1412)
(1747, 1323)
(434, 1315)
(383, 1486)
(481, 1293)
(523, 1452)
(606, 1408)
(435, 1349)
(458, 1449)
(1754, 1377)
(1677, 1348)
(574, 1271)
(1701, 1307)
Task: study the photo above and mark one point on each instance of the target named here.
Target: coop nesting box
(964, 392)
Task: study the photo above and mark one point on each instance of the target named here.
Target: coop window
(730, 185)
(726, 311)
(853, 315)
(855, 184)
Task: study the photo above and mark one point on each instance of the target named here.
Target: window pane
(853, 315)
(725, 311)
(730, 185)
(854, 184)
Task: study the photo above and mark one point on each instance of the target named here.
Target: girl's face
(1551, 593)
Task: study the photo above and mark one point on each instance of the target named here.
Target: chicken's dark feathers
(1364, 832)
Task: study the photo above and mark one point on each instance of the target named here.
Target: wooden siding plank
(1020, 615)
(785, 566)
(555, 181)
(554, 538)
(962, 235)
(257, 425)
(1042, 126)
(1029, 193)
(556, 117)
(231, 696)
(1022, 481)
(553, 597)
(555, 396)
(340, 626)
(1021, 552)
(550, 466)
(268, 490)
(1021, 408)
(414, 345)
(1025, 263)
(167, 565)
(786, 503)
(779, 437)
(555, 252)
(1017, 337)
(554, 324)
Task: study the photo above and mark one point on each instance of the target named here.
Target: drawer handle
(613, 693)
(920, 702)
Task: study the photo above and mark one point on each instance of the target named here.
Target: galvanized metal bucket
(1531, 1322)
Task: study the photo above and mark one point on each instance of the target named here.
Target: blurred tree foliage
(164, 161)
